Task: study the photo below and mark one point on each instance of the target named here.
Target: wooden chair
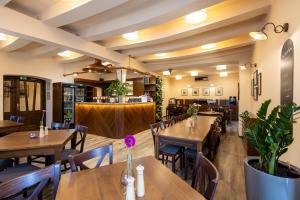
(42, 159)
(81, 131)
(14, 187)
(165, 150)
(20, 119)
(5, 163)
(76, 161)
(209, 149)
(205, 177)
(13, 118)
(59, 126)
(168, 123)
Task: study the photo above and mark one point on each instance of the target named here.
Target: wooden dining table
(19, 144)
(8, 126)
(210, 113)
(182, 134)
(104, 183)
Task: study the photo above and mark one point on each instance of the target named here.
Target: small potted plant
(266, 177)
(192, 111)
(119, 89)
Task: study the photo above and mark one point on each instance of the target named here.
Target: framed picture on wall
(259, 83)
(184, 92)
(255, 77)
(219, 91)
(195, 92)
(205, 91)
(252, 87)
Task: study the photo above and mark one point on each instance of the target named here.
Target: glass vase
(129, 163)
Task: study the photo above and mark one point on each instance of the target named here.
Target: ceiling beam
(35, 30)
(4, 2)
(226, 57)
(199, 39)
(221, 15)
(44, 50)
(67, 12)
(233, 43)
(15, 44)
(152, 14)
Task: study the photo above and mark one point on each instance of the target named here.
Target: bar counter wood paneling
(115, 120)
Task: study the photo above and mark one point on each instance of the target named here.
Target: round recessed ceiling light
(209, 46)
(131, 36)
(221, 67)
(66, 53)
(258, 35)
(161, 54)
(196, 17)
(223, 74)
(3, 36)
(194, 73)
(178, 77)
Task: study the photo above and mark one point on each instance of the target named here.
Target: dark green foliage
(159, 99)
(272, 134)
(192, 110)
(118, 88)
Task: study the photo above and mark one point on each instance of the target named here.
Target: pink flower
(129, 141)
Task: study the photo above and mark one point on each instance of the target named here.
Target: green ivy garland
(159, 99)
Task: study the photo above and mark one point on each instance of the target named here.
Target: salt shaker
(46, 130)
(140, 181)
(42, 134)
(130, 195)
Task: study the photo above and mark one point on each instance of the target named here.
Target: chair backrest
(155, 128)
(76, 161)
(168, 123)
(205, 177)
(39, 177)
(81, 131)
(13, 118)
(59, 126)
(20, 119)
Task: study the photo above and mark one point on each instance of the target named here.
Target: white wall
(46, 68)
(267, 56)
(229, 85)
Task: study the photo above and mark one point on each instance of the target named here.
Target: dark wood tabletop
(104, 183)
(209, 113)
(181, 133)
(8, 126)
(9, 123)
(19, 144)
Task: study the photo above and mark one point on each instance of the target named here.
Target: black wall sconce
(248, 65)
(262, 35)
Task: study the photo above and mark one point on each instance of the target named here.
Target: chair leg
(163, 159)
(173, 163)
(185, 167)
(29, 159)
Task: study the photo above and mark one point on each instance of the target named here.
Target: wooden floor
(229, 159)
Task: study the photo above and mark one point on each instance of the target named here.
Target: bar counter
(115, 120)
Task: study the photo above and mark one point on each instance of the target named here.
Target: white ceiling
(96, 27)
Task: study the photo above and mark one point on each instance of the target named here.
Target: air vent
(201, 78)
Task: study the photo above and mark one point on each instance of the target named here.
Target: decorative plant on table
(192, 111)
(271, 135)
(118, 88)
(129, 142)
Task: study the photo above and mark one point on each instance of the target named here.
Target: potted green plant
(266, 177)
(192, 111)
(119, 89)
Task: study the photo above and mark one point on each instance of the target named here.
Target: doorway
(24, 96)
